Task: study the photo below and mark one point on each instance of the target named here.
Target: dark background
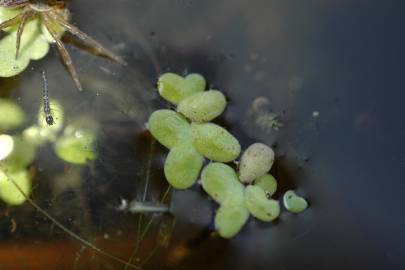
(341, 58)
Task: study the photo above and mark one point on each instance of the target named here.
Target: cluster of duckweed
(192, 138)
(72, 143)
(34, 43)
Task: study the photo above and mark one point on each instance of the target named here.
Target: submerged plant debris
(262, 116)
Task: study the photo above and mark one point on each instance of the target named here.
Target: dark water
(342, 59)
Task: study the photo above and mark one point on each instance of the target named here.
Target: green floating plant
(34, 43)
(9, 192)
(256, 161)
(169, 127)
(268, 183)
(215, 142)
(230, 217)
(6, 146)
(23, 154)
(190, 137)
(293, 202)
(11, 115)
(175, 88)
(221, 182)
(17, 152)
(204, 106)
(76, 146)
(259, 205)
(183, 165)
(33, 47)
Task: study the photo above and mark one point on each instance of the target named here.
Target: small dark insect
(45, 95)
(53, 13)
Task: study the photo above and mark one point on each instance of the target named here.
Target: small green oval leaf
(183, 165)
(268, 183)
(175, 88)
(203, 106)
(258, 204)
(293, 202)
(221, 182)
(230, 217)
(214, 142)
(169, 127)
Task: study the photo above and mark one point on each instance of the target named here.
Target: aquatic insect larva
(45, 96)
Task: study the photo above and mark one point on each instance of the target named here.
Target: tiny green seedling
(294, 203)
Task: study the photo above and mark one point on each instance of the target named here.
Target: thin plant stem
(70, 233)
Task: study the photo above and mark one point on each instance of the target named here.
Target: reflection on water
(247, 49)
